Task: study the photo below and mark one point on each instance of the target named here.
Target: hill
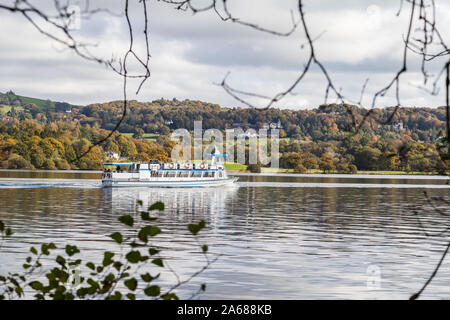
(316, 139)
(162, 116)
(321, 124)
(9, 100)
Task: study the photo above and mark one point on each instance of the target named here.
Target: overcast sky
(360, 39)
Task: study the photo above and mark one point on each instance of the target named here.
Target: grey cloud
(209, 48)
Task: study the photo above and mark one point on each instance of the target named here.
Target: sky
(191, 54)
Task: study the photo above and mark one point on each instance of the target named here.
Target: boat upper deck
(170, 166)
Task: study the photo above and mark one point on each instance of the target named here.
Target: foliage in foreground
(115, 277)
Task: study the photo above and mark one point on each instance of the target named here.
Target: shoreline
(359, 172)
(270, 171)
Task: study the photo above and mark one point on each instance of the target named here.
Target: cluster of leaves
(115, 277)
(407, 143)
(363, 152)
(28, 144)
(328, 122)
(317, 138)
(10, 284)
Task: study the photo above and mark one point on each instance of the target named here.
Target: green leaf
(116, 296)
(8, 232)
(117, 237)
(44, 249)
(195, 228)
(33, 250)
(158, 262)
(147, 277)
(139, 202)
(151, 230)
(152, 291)
(71, 250)
(2, 226)
(107, 258)
(127, 220)
(90, 265)
(145, 215)
(205, 248)
(117, 265)
(153, 251)
(133, 256)
(93, 283)
(68, 296)
(36, 285)
(134, 244)
(75, 263)
(142, 235)
(131, 296)
(170, 296)
(60, 260)
(156, 206)
(109, 278)
(148, 231)
(131, 284)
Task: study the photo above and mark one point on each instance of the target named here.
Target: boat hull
(168, 184)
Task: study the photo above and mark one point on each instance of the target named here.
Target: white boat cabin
(120, 173)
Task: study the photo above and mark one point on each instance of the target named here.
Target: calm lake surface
(279, 236)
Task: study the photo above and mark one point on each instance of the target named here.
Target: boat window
(220, 174)
(160, 173)
(213, 174)
(172, 174)
(184, 174)
(197, 174)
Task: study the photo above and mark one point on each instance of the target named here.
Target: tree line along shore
(53, 135)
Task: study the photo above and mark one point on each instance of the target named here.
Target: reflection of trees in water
(50, 202)
(337, 210)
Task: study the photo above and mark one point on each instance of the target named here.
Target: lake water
(279, 236)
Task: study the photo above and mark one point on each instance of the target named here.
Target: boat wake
(24, 183)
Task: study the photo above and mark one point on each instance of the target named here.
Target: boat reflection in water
(209, 203)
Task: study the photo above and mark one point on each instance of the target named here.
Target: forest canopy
(44, 137)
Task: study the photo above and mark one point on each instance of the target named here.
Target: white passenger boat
(172, 174)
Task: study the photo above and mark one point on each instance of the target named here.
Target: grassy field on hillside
(40, 103)
(235, 166)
